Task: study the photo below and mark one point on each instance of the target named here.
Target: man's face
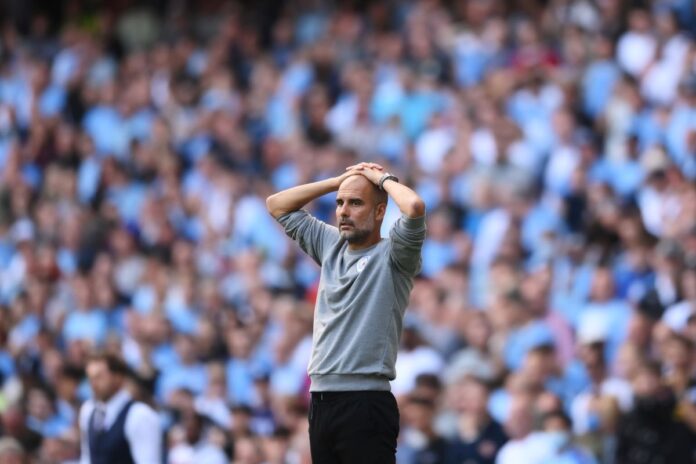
(104, 383)
(357, 213)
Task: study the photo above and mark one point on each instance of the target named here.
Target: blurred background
(554, 142)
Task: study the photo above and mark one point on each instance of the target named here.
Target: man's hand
(350, 171)
(406, 199)
(294, 198)
(372, 171)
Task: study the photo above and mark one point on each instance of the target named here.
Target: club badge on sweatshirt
(362, 262)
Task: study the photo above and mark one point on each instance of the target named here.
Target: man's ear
(380, 211)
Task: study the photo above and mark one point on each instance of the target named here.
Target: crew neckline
(362, 250)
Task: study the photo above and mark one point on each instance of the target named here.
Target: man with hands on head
(363, 292)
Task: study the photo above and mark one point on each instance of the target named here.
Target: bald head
(360, 183)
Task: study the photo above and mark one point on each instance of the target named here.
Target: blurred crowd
(554, 143)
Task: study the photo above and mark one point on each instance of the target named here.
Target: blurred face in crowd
(193, 426)
(477, 331)
(628, 362)
(440, 226)
(603, 285)
(639, 20)
(539, 363)
(472, 398)
(247, 450)
(646, 383)
(519, 422)
(640, 328)
(419, 414)
(359, 211)
(103, 381)
(186, 349)
(39, 405)
(12, 457)
(679, 353)
(275, 448)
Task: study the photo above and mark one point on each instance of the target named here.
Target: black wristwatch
(385, 177)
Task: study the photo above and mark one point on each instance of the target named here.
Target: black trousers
(357, 427)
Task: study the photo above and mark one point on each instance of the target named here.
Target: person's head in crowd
(477, 330)
(193, 424)
(440, 225)
(638, 255)
(651, 396)
(185, 347)
(141, 384)
(547, 402)
(628, 359)
(678, 355)
(40, 404)
(239, 343)
(14, 425)
(509, 309)
(535, 290)
(107, 375)
(11, 452)
(296, 417)
(181, 401)
(646, 314)
(471, 398)
(639, 20)
(591, 353)
(505, 274)
(602, 47)
(520, 419)
(427, 386)
(65, 448)
(411, 337)
(51, 359)
(275, 446)
(518, 386)
(668, 260)
(540, 364)
(241, 420)
(603, 288)
(247, 450)
(418, 416)
(217, 380)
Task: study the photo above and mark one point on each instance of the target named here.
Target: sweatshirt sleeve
(311, 234)
(407, 238)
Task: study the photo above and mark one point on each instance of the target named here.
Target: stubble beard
(357, 236)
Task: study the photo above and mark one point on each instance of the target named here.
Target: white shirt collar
(114, 406)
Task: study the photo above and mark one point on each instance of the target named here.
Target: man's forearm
(408, 201)
(294, 198)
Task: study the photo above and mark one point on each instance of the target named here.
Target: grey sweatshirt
(361, 301)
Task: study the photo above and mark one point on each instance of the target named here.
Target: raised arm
(293, 199)
(408, 201)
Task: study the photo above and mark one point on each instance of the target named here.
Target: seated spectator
(478, 436)
(651, 430)
(419, 443)
(195, 448)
